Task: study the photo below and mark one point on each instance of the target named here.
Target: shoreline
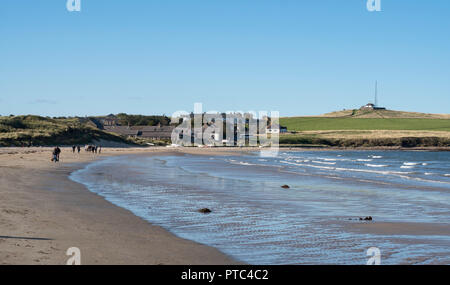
(43, 213)
(390, 229)
(381, 148)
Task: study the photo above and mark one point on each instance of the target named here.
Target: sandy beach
(43, 213)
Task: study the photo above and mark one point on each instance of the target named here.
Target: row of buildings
(164, 132)
(110, 124)
(147, 132)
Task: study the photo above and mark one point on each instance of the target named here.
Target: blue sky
(299, 57)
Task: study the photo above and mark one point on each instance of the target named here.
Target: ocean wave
(386, 172)
(327, 159)
(308, 165)
(235, 162)
(407, 166)
(411, 163)
(400, 174)
(362, 159)
(375, 165)
(425, 180)
(243, 163)
(375, 156)
(323, 162)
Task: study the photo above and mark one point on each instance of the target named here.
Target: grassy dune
(36, 130)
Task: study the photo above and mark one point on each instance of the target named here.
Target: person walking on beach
(55, 154)
(58, 152)
(99, 149)
(78, 148)
(73, 148)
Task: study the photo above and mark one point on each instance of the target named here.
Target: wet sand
(401, 228)
(43, 213)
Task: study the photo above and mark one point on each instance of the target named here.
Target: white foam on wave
(375, 156)
(398, 173)
(375, 165)
(401, 174)
(323, 162)
(425, 180)
(235, 162)
(327, 159)
(362, 159)
(245, 163)
(407, 166)
(309, 165)
(410, 163)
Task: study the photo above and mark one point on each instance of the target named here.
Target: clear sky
(299, 57)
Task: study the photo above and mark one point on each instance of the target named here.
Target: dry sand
(43, 213)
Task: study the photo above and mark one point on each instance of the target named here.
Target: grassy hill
(350, 123)
(36, 130)
(369, 120)
(387, 114)
(354, 128)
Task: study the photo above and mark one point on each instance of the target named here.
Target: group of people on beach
(88, 148)
(93, 148)
(75, 148)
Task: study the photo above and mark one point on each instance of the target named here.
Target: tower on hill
(373, 106)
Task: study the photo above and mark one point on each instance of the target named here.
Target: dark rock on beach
(205, 211)
(369, 218)
(285, 187)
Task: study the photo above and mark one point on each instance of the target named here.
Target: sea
(314, 221)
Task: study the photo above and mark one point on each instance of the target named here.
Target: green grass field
(324, 123)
